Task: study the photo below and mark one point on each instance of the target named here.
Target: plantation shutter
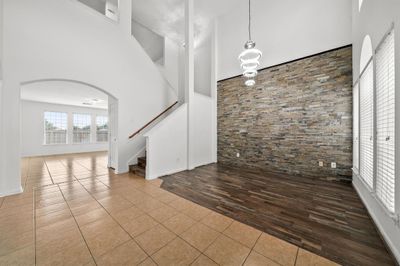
(367, 124)
(385, 119)
(356, 125)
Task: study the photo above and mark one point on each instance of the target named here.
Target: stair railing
(154, 119)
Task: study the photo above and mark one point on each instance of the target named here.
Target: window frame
(395, 166)
(45, 130)
(356, 112)
(394, 215)
(370, 187)
(108, 128)
(90, 130)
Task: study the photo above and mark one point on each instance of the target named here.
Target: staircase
(139, 169)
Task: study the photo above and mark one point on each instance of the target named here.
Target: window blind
(385, 120)
(367, 125)
(356, 125)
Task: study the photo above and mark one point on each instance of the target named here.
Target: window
(385, 119)
(101, 128)
(356, 143)
(55, 128)
(82, 125)
(367, 124)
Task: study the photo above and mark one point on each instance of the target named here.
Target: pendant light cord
(249, 20)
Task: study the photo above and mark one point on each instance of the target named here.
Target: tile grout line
(159, 223)
(47, 167)
(252, 248)
(297, 254)
(34, 224)
(179, 212)
(132, 238)
(212, 242)
(2, 201)
(80, 231)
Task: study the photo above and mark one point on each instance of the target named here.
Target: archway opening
(68, 130)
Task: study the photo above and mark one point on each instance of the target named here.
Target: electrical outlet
(333, 165)
(321, 163)
(237, 154)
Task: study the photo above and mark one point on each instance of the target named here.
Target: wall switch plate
(321, 163)
(237, 154)
(333, 165)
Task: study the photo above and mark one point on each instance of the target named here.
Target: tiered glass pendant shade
(250, 59)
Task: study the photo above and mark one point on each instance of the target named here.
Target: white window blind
(101, 128)
(385, 120)
(82, 128)
(55, 128)
(367, 125)
(356, 125)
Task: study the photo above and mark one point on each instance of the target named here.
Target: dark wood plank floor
(327, 218)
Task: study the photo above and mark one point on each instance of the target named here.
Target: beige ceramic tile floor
(75, 212)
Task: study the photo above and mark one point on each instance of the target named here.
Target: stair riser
(139, 173)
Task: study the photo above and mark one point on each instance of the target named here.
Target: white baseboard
(12, 192)
(378, 219)
(167, 173)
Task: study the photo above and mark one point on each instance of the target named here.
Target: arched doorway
(61, 117)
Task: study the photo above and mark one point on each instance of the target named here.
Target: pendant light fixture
(250, 57)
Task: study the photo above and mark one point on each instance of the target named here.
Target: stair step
(142, 162)
(137, 170)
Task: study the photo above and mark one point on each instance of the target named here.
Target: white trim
(165, 174)
(375, 209)
(123, 171)
(12, 192)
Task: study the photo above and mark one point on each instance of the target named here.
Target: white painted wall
(203, 130)
(375, 20)
(3, 182)
(171, 63)
(151, 42)
(32, 133)
(1, 39)
(202, 67)
(166, 145)
(283, 30)
(99, 6)
(166, 142)
(84, 46)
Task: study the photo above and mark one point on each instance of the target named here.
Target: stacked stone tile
(297, 114)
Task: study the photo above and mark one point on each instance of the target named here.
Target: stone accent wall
(296, 115)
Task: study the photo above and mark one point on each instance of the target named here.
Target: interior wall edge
(384, 224)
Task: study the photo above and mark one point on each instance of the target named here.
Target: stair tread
(137, 170)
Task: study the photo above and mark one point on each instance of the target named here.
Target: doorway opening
(66, 119)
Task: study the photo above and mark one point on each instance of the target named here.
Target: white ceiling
(62, 92)
(166, 17)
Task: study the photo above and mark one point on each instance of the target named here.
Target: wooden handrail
(166, 110)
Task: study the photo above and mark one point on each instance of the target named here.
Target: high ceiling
(166, 17)
(61, 92)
